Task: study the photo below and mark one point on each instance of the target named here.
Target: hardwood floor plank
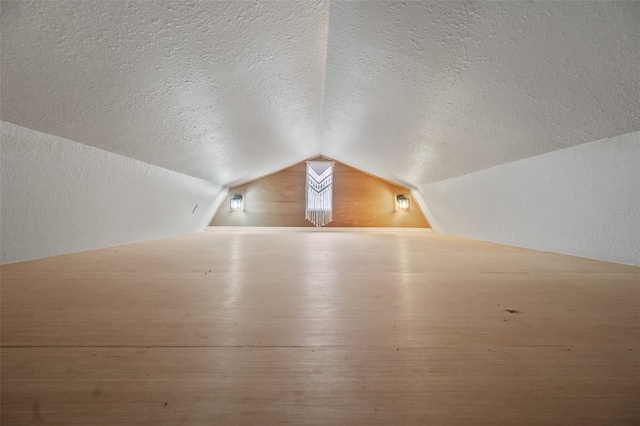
(265, 326)
(379, 385)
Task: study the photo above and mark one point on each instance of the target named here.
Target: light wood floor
(233, 327)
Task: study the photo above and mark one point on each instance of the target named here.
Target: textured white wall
(59, 196)
(583, 201)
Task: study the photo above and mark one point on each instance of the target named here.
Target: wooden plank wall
(359, 200)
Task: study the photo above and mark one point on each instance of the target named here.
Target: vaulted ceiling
(414, 91)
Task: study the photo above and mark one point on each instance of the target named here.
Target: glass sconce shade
(403, 202)
(236, 202)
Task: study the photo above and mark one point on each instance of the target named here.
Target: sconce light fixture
(403, 202)
(236, 202)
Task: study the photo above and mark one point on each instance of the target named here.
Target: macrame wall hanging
(319, 192)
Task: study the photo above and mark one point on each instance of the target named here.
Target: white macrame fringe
(319, 192)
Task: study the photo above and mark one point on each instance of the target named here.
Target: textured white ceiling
(414, 91)
(422, 91)
(224, 91)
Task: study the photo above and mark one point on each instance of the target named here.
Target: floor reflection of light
(234, 274)
(405, 286)
(233, 286)
(320, 285)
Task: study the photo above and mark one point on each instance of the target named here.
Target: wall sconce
(403, 202)
(236, 202)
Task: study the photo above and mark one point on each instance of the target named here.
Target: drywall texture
(359, 199)
(59, 196)
(414, 91)
(422, 91)
(583, 201)
(221, 90)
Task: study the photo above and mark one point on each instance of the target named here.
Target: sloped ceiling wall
(414, 92)
(583, 200)
(222, 91)
(423, 91)
(59, 196)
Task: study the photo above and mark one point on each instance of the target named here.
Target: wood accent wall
(359, 200)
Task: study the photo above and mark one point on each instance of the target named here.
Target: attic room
(319, 212)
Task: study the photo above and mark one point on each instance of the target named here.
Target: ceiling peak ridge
(323, 89)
